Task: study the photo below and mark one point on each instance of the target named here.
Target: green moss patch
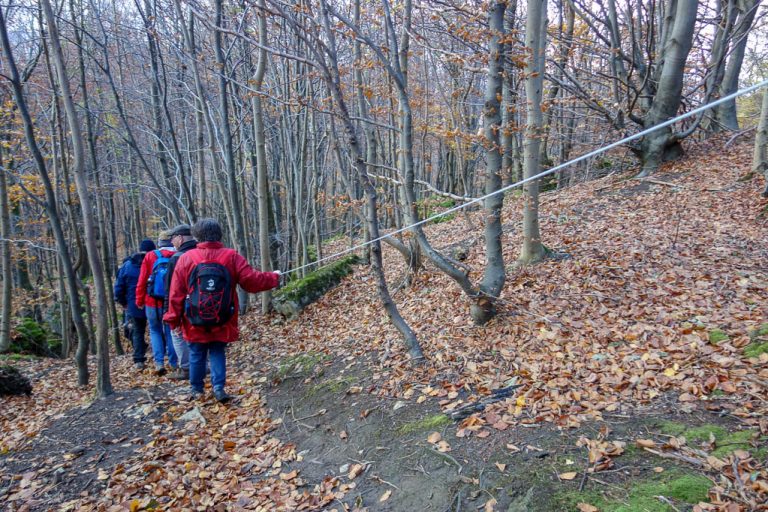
(725, 442)
(298, 294)
(759, 342)
(332, 386)
(299, 365)
(427, 423)
(754, 349)
(760, 332)
(677, 487)
(445, 218)
(717, 336)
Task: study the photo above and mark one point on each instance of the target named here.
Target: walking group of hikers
(186, 288)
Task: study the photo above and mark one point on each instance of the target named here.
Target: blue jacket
(125, 285)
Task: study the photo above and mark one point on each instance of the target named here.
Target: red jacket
(242, 274)
(142, 296)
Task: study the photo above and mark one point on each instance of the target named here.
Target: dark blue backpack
(156, 281)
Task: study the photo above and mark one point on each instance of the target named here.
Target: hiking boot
(222, 396)
(160, 371)
(140, 366)
(180, 374)
(195, 394)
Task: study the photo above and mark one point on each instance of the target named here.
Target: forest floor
(642, 359)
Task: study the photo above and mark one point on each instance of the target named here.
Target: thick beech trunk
(535, 37)
(483, 309)
(662, 145)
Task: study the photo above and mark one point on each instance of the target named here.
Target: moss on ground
(426, 423)
(17, 357)
(760, 332)
(717, 336)
(759, 342)
(299, 364)
(332, 386)
(754, 349)
(444, 218)
(679, 488)
(725, 442)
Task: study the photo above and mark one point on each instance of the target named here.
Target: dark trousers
(139, 345)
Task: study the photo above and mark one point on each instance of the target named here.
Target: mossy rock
(30, 337)
(12, 382)
(298, 294)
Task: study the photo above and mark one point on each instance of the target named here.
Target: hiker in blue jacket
(125, 295)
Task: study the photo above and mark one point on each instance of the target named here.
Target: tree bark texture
(494, 275)
(535, 38)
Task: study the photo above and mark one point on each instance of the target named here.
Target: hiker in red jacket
(203, 302)
(153, 268)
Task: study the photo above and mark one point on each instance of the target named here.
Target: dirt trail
(336, 425)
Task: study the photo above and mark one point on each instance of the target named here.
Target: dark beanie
(147, 245)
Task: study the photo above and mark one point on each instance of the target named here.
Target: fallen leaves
(434, 437)
(355, 471)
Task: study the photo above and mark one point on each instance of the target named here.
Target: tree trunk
(484, 308)
(100, 209)
(760, 157)
(262, 184)
(229, 158)
(726, 113)
(5, 253)
(532, 250)
(660, 145)
(103, 384)
(334, 84)
(50, 207)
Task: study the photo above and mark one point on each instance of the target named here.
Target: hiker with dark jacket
(183, 241)
(151, 297)
(203, 303)
(125, 295)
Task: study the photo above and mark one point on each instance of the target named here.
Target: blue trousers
(160, 338)
(215, 353)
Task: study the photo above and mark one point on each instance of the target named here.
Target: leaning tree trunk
(483, 309)
(333, 81)
(103, 383)
(726, 113)
(535, 37)
(760, 158)
(50, 206)
(661, 145)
